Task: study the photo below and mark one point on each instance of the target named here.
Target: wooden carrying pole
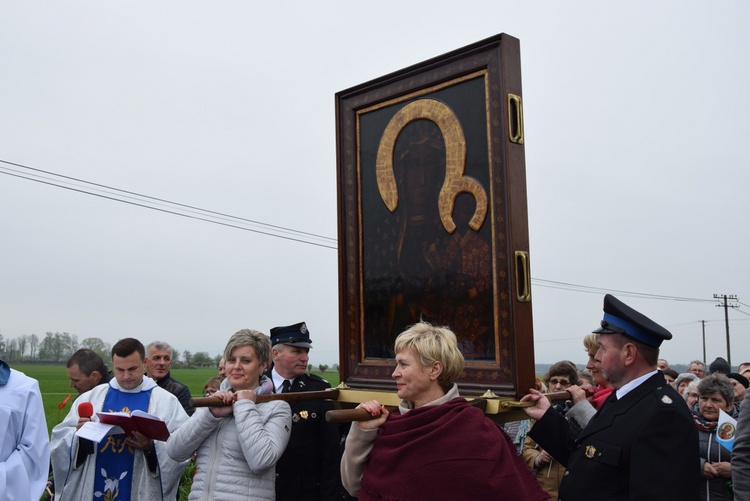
(349, 415)
(331, 394)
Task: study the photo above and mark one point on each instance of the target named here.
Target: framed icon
(433, 218)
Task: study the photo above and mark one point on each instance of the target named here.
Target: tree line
(59, 346)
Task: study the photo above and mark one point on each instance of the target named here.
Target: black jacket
(309, 468)
(644, 446)
(177, 389)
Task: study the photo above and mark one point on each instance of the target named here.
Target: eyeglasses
(561, 382)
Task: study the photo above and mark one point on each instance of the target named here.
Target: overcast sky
(636, 120)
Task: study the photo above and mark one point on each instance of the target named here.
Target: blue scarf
(4, 373)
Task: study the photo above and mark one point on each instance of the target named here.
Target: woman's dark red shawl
(449, 451)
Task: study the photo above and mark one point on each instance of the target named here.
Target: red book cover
(148, 424)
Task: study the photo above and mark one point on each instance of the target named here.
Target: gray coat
(237, 454)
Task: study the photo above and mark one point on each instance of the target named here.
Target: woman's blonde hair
(591, 342)
(248, 337)
(431, 343)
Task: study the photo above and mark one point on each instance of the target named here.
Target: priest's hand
(140, 441)
(82, 421)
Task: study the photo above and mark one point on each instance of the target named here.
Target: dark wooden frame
(485, 73)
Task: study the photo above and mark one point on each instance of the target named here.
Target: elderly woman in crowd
(238, 444)
(549, 473)
(715, 393)
(683, 380)
(436, 437)
(690, 393)
(211, 386)
(671, 376)
(740, 384)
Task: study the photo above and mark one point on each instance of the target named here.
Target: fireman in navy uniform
(642, 443)
(309, 468)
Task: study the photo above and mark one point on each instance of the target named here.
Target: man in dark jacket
(642, 443)
(86, 369)
(309, 468)
(158, 365)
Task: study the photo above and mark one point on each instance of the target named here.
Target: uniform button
(565, 475)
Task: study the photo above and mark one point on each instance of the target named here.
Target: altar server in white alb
(119, 467)
(24, 445)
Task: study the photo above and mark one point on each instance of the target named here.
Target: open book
(112, 423)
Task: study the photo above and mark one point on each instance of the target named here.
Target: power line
(228, 220)
(158, 204)
(552, 284)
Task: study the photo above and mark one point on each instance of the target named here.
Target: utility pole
(726, 307)
(703, 323)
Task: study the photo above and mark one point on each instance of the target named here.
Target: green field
(53, 383)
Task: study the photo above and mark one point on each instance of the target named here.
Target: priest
(120, 466)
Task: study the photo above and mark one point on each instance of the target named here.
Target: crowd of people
(649, 441)
(631, 427)
(243, 448)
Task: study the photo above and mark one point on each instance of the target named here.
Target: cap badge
(590, 451)
(303, 328)
(666, 399)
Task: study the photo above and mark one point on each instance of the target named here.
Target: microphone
(85, 447)
(85, 410)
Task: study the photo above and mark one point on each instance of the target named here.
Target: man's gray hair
(159, 345)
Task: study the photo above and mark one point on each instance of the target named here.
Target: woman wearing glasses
(549, 472)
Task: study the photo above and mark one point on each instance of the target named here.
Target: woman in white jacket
(237, 445)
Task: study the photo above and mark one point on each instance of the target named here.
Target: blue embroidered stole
(113, 477)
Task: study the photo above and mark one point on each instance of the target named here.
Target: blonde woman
(585, 406)
(435, 438)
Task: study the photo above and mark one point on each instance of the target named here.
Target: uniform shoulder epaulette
(665, 396)
(315, 377)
